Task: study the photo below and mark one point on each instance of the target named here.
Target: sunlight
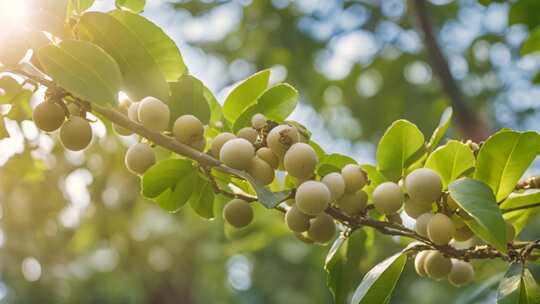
(13, 13)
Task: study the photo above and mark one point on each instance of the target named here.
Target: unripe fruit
(261, 171)
(188, 129)
(436, 265)
(48, 116)
(440, 229)
(237, 153)
(419, 262)
(296, 220)
(268, 156)
(300, 161)
(153, 114)
(238, 213)
(355, 178)
(463, 234)
(199, 145)
(76, 133)
(133, 112)
(258, 121)
(139, 158)
(424, 185)
(336, 184)
(280, 138)
(510, 232)
(415, 209)
(353, 203)
(303, 237)
(321, 228)
(421, 224)
(387, 198)
(462, 273)
(219, 141)
(248, 134)
(312, 197)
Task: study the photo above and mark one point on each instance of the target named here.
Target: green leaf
(441, 129)
(83, 69)
(333, 163)
(245, 94)
(177, 196)
(451, 161)
(523, 12)
(478, 201)
(187, 97)
(377, 286)
(164, 175)
(532, 44)
(521, 199)
(376, 178)
(202, 200)
(503, 159)
(135, 6)
(9, 89)
(530, 288)
(400, 146)
(3, 131)
(79, 6)
(518, 219)
(509, 291)
(318, 150)
(129, 47)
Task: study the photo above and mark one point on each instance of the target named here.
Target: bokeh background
(73, 228)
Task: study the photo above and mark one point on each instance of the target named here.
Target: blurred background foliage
(73, 228)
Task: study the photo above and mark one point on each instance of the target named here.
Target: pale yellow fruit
(258, 121)
(268, 156)
(415, 209)
(133, 112)
(387, 198)
(419, 262)
(462, 273)
(424, 185)
(153, 114)
(437, 266)
(76, 133)
(238, 213)
(219, 141)
(139, 158)
(48, 116)
(261, 171)
(336, 184)
(237, 153)
(321, 228)
(296, 220)
(249, 134)
(199, 145)
(463, 234)
(312, 197)
(281, 138)
(188, 129)
(353, 203)
(441, 229)
(355, 178)
(510, 232)
(300, 160)
(421, 224)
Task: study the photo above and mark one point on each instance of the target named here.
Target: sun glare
(13, 13)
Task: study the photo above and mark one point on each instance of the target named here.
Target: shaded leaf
(451, 161)
(187, 97)
(202, 200)
(177, 196)
(245, 94)
(440, 131)
(164, 175)
(532, 44)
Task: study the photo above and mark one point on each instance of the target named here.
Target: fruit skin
(133, 112)
(355, 178)
(219, 141)
(76, 133)
(440, 229)
(153, 114)
(462, 273)
(387, 198)
(321, 228)
(280, 138)
(296, 220)
(258, 121)
(188, 129)
(415, 209)
(268, 156)
(238, 213)
(303, 237)
(436, 265)
(48, 116)
(139, 158)
(336, 184)
(463, 234)
(261, 171)
(249, 134)
(421, 224)
(300, 160)
(419, 262)
(424, 185)
(353, 203)
(312, 197)
(237, 153)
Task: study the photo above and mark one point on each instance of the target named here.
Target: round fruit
(415, 209)
(355, 178)
(312, 197)
(353, 203)
(462, 273)
(303, 237)
(219, 141)
(199, 145)
(336, 184)
(421, 224)
(280, 138)
(248, 134)
(133, 112)
(321, 228)
(510, 232)
(76, 133)
(153, 114)
(296, 220)
(419, 262)
(268, 156)
(48, 116)
(258, 121)
(261, 171)
(463, 234)
(237, 153)
(424, 185)
(238, 213)
(440, 229)
(436, 265)
(387, 197)
(188, 129)
(300, 161)
(139, 158)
